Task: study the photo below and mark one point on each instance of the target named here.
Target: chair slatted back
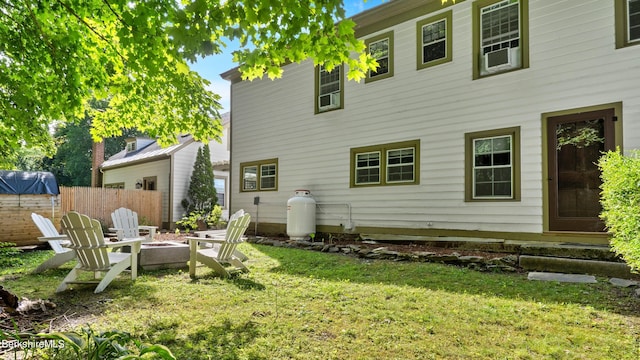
(87, 241)
(235, 230)
(47, 229)
(126, 220)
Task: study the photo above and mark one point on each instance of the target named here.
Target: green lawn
(298, 304)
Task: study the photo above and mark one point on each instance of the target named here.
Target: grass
(298, 304)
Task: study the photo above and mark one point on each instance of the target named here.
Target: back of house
(485, 119)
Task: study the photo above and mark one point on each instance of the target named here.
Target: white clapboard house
(145, 165)
(484, 119)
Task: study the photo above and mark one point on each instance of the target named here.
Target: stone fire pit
(163, 255)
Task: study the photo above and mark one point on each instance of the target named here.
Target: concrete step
(555, 249)
(569, 258)
(576, 266)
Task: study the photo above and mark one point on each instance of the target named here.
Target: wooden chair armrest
(146, 227)
(211, 240)
(125, 242)
(50, 238)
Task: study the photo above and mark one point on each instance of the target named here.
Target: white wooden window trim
(493, 168)
(385, 55)
(401, 164)
(368, 167)
(433, 42)
(633, 13)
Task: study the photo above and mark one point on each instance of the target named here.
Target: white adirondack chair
(56, 241)
(224, 253)
(220, 234)
(125, 224)
(87, 241)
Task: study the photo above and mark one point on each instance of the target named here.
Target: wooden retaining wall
(98, 203)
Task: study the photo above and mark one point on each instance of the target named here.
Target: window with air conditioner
(501, 40)
(329, 85)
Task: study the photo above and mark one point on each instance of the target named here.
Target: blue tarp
(28, 182)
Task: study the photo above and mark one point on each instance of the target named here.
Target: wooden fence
(15, 216)
(99, 203)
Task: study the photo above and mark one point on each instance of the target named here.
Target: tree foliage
(201, 196)
(56, 55)
(621, 203)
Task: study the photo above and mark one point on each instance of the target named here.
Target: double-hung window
(434, 40)
(492, 165)
(381, 48)
(627, 22)
(329, 88)
(501, 40)
(259, 175)
(387, 164)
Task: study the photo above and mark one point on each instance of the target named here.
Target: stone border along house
(145, 165)
(483, 120)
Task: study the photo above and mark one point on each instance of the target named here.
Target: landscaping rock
(623, 282)
(367, 250)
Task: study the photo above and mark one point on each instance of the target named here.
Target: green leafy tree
(56, 55)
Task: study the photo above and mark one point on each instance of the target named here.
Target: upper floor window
(329, 88)
(381, 49)
(501, 40)
(387, 164)
(434, 40)
(492, 169)
(259, 175)
(627, 22)
(131, 146)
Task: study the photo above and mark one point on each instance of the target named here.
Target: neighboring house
(484, 119)
(143, 164)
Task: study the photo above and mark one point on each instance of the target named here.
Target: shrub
(621, 203)
(9, 255)
(211, 219)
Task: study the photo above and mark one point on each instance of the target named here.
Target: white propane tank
(301, 215)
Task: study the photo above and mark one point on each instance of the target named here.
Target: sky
(211, 67)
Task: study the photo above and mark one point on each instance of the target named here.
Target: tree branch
(37, 24)
(106, 2)
(81, 20)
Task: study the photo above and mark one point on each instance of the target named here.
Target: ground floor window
(259, 175)
(492, 164)
(385, 164)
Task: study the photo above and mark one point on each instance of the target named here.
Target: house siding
(130, 174)
(183, 162)
(573, 64)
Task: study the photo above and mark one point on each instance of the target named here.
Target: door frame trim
(617, 112)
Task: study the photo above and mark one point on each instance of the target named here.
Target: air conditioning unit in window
(329, 101)
(498, 60)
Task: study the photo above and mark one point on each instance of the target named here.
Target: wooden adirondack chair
(220, 234)
(125, 224)
(56, 241)
(224, 253)
(87, 241)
